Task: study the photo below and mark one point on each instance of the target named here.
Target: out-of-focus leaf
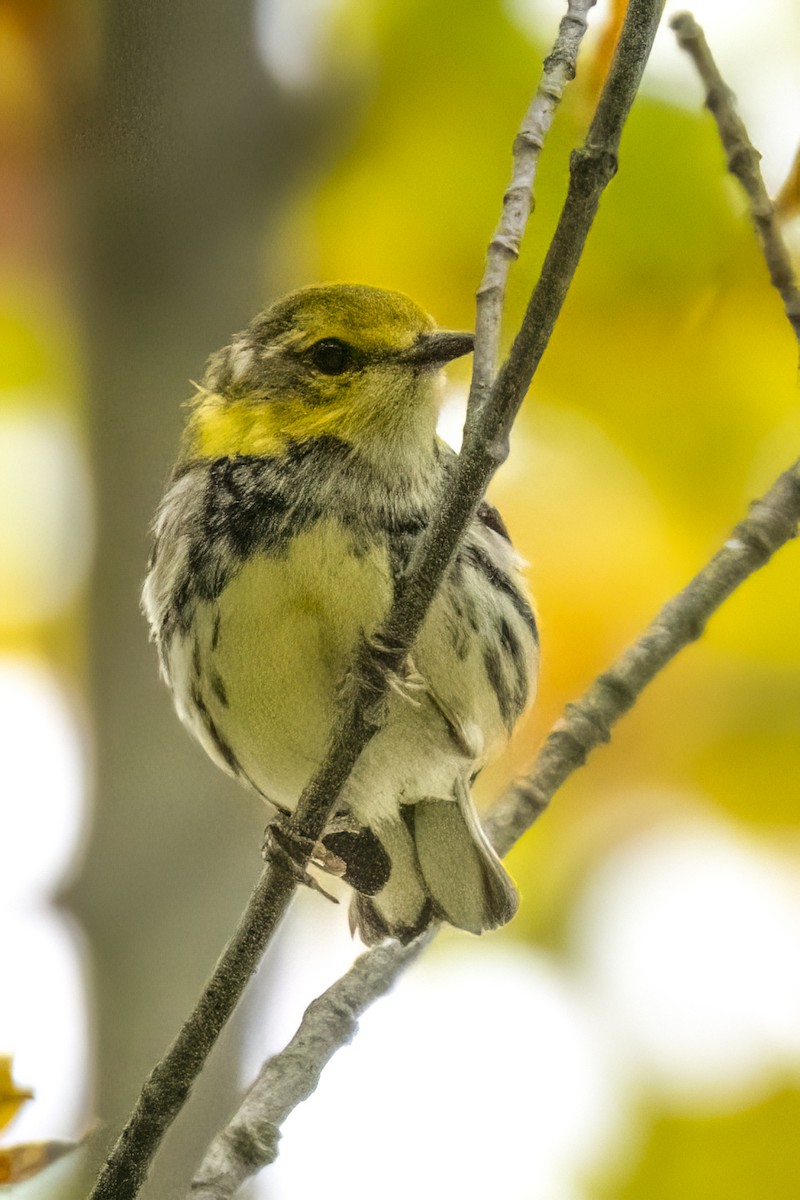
(595, 66)
(413, 202)
(787, 201)
(11, 1097)
(733, 1155)
(24, 1161)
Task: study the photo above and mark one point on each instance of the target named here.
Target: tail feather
(442, 866)
(372, 925)
(463, 875)
(401, 908)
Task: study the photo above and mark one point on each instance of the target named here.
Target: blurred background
(165, 171)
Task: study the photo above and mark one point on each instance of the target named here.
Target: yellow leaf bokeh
(12, 1097)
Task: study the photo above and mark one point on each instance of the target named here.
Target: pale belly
(271, 652)
(266, 660)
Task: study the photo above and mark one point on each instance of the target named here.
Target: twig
(485, 445)
(250, 1141)
(167, 1087)
(592, 167)
(485, 448)
(743, 160)
(558, 70)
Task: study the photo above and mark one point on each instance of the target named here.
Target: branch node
(527, 139)
(583, 726)
(620, 692)
(255, 1145)
(560, 58)
(592, 166)
(508, 246)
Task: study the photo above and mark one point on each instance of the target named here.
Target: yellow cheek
(386, 403)
(218, 430)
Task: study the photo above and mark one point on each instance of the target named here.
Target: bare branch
(250, 1141)
(592, 167)
(485, 448)
(289, 1077)
(518, 201)
(743, 162)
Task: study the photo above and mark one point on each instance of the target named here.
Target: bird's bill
(435, 349)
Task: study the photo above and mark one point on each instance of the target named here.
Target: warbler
(310, 467)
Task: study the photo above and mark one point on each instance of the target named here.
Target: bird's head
(341, 360)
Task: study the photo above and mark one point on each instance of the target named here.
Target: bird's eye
(330, 356)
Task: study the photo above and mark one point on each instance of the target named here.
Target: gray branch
(518, 201)
(250, 1141)
(743, 163)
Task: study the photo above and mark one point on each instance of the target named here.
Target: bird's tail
(441, 866)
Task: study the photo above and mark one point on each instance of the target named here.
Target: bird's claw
(400, 672)
(292, 852)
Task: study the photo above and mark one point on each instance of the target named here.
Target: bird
(308, 470)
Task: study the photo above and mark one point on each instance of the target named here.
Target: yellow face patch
(220, 429)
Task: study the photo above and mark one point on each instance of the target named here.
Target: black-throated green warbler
(309, 467)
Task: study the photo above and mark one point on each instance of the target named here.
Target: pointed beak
(433, 350)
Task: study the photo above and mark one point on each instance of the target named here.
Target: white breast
(272, 651)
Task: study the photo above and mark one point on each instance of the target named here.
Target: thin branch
(250, 1142)
(592, 167)
(485, 448)
(485, 445)
(167, 1087)
(518, 202)
(743, 162)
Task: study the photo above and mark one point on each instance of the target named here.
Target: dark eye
(331, 356)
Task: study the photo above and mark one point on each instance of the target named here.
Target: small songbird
(309, 468)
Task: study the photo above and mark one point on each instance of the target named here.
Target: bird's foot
(291, 851)
(399, 671)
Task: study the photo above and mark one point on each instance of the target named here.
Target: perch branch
(743, 163)
(557, 71)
